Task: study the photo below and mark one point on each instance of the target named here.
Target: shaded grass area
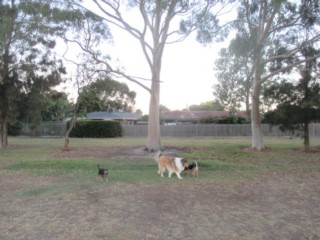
(46, 193)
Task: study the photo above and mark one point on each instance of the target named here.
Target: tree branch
(265, 78)
(293, 51)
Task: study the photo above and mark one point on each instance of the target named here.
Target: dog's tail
(196, 163)
(156, 157)
(99, 167)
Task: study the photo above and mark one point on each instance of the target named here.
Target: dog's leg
(170, 173)
(178, 175)
(161, 170)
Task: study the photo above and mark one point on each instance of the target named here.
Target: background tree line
(44, 104)
(272, 65)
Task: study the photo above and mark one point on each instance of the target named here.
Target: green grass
(239, 194)
(226, 157)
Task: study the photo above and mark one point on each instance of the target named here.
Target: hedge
(96, 129)
(14, 129)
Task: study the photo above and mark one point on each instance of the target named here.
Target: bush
(96, 129)
(225, 120)
(14, 129)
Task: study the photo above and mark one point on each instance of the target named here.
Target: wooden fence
(198, 130)
(188, 130)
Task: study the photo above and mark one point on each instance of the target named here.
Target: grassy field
(47, 193)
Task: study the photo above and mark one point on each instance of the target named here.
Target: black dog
(193, 169)
(103, 172)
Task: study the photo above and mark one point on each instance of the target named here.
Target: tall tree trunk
(256, 128)
(257, 136)
(72, 122)
(248, 111)
(4, 134)
(306, 138)
(66, 137)
(4, 118)
(154, 137)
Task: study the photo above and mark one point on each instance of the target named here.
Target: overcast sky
(187, 72)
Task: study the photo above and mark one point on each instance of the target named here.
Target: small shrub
(14, 129)
(96, 129)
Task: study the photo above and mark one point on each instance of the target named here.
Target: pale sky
(187, 72)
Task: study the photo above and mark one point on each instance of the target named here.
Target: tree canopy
(271, 34)
(104, 94)
(297, 103)
(28, 32)
(155, 26)
(207, 106)
(27, 38)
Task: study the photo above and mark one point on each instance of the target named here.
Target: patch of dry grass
(46, 193)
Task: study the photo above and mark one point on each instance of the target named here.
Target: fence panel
(198, 130)
(54, 128)
(188, 130)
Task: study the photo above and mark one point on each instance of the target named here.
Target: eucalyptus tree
(28, 32)
(275, 32)
(297, 102)
(104, 94)
(55, 106)
(233, 71)
(25, 44)
(156, 24)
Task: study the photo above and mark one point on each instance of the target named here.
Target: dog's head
(157, 155)
(193, 165)
(184, 163)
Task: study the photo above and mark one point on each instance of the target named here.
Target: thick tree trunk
(4, 134)
(154, 139)
(306, 138)
(3, 120)
(256, 128)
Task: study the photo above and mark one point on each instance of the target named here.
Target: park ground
(48, 193)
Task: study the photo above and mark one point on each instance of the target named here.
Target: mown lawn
(47, 193)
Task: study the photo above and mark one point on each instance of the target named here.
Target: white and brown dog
(172, 164)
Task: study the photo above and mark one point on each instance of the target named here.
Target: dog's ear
(158, 154)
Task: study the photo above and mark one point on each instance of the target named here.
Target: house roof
(196, 115)
(113, 115)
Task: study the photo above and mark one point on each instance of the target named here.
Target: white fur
(179, 165)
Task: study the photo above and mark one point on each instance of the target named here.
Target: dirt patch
(275, 205)
(77, 152)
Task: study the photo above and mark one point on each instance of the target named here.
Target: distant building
(196, 116)
(125, 118)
